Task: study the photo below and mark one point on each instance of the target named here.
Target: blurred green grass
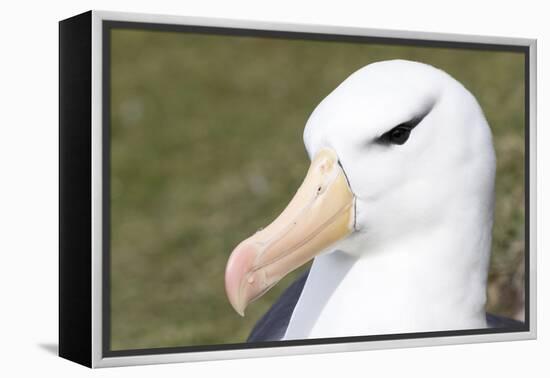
(207, 147)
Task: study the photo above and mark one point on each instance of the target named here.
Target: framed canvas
(394, 174)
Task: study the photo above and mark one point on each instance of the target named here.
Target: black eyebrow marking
(418, 118)
(408, 125)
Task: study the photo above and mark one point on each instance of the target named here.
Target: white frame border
(97, 357)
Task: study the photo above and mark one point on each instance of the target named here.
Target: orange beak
(321, 213)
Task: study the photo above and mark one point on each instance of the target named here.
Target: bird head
(392, 148)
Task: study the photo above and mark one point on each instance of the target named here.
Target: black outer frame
(75, 290)
(75, 189)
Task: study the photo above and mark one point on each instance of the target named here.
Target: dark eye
(399, 134)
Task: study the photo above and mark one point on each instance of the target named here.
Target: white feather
(424, 211)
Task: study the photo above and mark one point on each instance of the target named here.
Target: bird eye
(399, 135)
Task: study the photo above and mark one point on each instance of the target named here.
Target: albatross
(396, 211)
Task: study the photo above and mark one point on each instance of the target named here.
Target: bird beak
(321, 213)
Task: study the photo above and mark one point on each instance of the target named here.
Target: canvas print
(266, 189)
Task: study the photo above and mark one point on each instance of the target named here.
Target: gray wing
(272, 326)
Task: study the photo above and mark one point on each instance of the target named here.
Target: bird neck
(421, 283)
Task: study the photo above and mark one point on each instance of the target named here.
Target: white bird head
(396, 148)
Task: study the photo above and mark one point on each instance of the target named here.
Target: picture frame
(85, 109)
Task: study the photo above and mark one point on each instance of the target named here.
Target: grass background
(206, 136)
